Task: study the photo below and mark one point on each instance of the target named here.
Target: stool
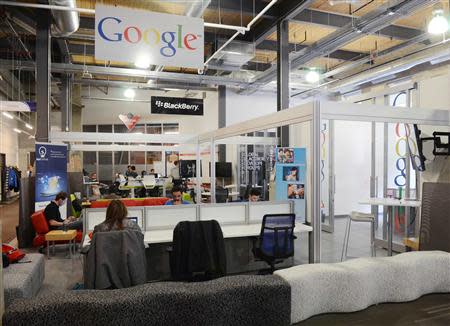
(359, 217)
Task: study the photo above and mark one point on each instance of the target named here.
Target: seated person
(133, 172)
(116, 219)
(53, 215)
(254, 195)
(177, 198)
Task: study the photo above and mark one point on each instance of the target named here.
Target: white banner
(139, 36)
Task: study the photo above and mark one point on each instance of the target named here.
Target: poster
(291, 177)
(51, 174)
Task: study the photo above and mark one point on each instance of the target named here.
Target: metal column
(213, 171)
(314, 243)
(43, 57)
(283, 69)
(222, 156)
(66, 103)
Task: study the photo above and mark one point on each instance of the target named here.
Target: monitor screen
(134, 219)
(188, 168)
(223, 170)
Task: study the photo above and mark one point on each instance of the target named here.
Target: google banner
(129, 35)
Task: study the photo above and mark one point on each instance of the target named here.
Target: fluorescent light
(129, 93)
(29, 126)
(440, 60)
(312, 77)
(171, 132)
(142, 62)
(8, 115)
(438, 24)
(17, 130)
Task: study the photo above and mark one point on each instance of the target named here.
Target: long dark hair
(115, 214)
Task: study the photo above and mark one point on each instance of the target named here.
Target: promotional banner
(51, 174)
(130, 120)
(291, 177)
(145, 37)
(176, 105)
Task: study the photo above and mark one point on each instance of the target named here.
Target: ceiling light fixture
(129, 93)
(312, 76)
(142, 62)
(438, 24)
(17, 130)
(29, 126)
(8, 115)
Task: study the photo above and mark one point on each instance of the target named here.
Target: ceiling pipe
(369, 23)
(92, 12)
(246, 29)
(66, 22)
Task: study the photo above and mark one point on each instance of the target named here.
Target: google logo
(171, 41)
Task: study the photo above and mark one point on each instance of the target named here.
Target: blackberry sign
(176, 105)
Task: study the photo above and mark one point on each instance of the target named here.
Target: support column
(283, 69)
(315, 251)
(222, 157)
(66, 103)
(43, 61)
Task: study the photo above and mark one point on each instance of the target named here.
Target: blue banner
(51, 172)
(291, 177)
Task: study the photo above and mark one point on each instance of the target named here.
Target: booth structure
(306, 125)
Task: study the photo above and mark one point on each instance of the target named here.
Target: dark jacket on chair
(198, 251)
(115, 260)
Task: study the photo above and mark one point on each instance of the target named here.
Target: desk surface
(391, 202)
(229, 231)
(60, 235)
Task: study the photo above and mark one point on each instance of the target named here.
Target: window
(107, 129)
(89, 128)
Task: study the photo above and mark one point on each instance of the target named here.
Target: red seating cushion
(130, 202)
(156, 201)
(39, 222)
(100, 203)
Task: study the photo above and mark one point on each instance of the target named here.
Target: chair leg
(372, 238)
(346, 236)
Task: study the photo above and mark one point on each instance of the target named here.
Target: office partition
(232, 213)
(163, 217)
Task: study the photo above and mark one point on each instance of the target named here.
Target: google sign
(128, 35)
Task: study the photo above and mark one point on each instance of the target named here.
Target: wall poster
(291, 177)
(51, 174)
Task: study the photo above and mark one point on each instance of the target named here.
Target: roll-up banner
(145, 37)
(51, 174)
(291, 177)
(176, 105)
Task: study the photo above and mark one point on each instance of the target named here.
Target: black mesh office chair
(276, 240)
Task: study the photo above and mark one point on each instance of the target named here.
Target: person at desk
(175, 174)
(116, 219)
(128, 171)
(133, 172)
(53, 215)
(177, 198)
(254, 195)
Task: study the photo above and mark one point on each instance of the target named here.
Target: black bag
(5, 260)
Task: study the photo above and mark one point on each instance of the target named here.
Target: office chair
(221, 195)
(198, 251)
(276, 240)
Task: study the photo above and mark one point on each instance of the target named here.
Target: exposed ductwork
(66, 22)
(369, 23)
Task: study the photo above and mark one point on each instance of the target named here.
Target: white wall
(9, 140)
(107, 112)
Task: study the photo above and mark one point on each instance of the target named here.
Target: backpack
(5, 260)
(13, 254)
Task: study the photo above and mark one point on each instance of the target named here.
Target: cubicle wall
(166, 217)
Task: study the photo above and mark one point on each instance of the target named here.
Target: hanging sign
(129, 120)
(176, 105)
(51, 173)
(140, 36)
(291, 177)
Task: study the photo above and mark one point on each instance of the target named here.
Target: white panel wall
(228, 213)
(9, 140)
(106, 112)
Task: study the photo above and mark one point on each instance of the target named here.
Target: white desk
(390, 203)
(230, 194)
(229, 231)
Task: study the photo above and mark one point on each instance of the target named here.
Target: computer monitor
(134, 219)
(223, 169)
(188, 168)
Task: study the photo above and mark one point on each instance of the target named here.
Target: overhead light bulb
(29, 126)
(17, 130)
(8, 115)
(129, 93)
(438, 24)
(142, 62)
(312, 77)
